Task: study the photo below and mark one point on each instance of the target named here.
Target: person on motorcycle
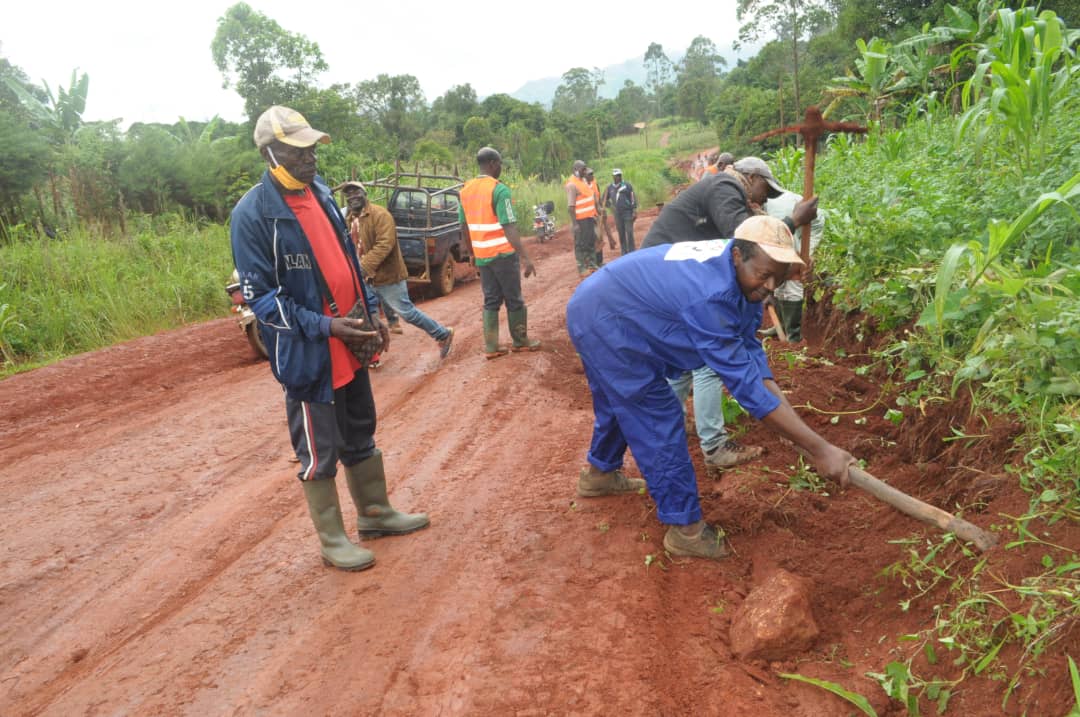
(375, 235)
(543, 223)
(297, 265)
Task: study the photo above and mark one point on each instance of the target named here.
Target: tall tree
(26, 158)
(450, 111)
(59, 117)
(266, 64)
(578, 91)
(397, 104)
(857, 18)
(659, 71)
(631, 105)
(502, 109)
(702, 59)
(789, 20)
(699, 78)
(61, 114)
(477, 133)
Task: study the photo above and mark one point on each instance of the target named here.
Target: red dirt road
(158, 557)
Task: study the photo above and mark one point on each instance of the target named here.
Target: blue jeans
(708, 411)
(391, 315)
(396, 296)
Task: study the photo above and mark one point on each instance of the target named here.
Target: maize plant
(1021, 79)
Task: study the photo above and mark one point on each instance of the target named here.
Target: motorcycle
(245, 317)
(543, 222)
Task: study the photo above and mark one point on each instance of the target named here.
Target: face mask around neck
(278, 172)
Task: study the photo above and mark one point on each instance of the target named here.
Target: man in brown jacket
(373, 231)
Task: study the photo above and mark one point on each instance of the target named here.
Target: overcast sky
(150, 61)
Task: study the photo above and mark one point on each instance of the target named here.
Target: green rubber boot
(492, 349)
(325, 510)
(519, 331)
(375, 516)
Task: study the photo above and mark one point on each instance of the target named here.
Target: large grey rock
(775, 621)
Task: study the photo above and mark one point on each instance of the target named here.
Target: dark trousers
(585, 244)
(624, 224)
(324, 433)
(500, 280)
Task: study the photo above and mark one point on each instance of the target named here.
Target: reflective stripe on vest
(585, 206)
(486, 233)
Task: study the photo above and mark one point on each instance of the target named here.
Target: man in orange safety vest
(487, 218)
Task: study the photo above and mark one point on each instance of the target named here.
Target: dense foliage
(952, 227)
(62, 172)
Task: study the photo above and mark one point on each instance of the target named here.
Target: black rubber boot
(375, 516)
(325, 511)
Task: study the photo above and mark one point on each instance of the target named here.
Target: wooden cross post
(812, 128)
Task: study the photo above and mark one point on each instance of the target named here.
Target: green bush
(82, 292)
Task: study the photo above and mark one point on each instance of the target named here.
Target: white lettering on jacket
(297, 261)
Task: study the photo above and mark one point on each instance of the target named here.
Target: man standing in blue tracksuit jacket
(294, 254)
(668, 309)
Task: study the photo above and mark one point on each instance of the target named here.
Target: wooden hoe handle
(920, 510)
(780, 333)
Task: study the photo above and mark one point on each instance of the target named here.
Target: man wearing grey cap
(711, 209)
(300, 274)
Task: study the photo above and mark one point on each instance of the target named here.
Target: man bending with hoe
(668, 309)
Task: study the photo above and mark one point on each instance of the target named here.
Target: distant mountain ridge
(615, 76)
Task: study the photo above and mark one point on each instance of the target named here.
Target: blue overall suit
(654, 314)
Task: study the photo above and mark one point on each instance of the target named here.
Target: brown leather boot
(729, 454)
(709, 543)
(593, 483)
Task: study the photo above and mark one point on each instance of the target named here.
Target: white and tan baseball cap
(772, 235)
(288, 126)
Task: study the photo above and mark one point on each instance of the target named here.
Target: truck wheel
(442, 277)
(255, 339)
